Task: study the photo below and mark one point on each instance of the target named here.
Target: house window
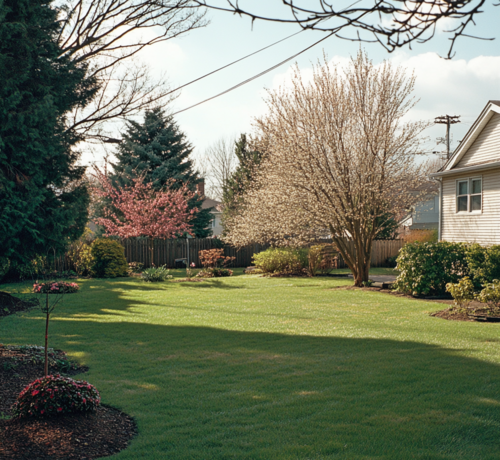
(469, 195)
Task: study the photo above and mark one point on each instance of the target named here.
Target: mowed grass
(280, 368)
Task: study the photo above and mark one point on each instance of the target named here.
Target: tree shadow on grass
(201, 393)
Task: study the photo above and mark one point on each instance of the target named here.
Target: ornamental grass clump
(55, 287)
(54, 395)
(156, 274)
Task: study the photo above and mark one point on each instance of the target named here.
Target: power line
(232, 63)
(255, 76)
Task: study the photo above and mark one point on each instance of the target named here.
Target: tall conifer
(43, 204)
(159, 150)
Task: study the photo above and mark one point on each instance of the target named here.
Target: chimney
(200, 188)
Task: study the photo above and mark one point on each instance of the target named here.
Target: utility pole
(447, 120)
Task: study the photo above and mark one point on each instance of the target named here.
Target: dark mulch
(188, 280)
(10, 304)
(452, 315)
(70, 436)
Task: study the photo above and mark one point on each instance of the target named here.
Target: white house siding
(484, 227)
(487, 145)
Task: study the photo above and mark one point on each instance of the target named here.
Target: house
(425, 213)
(216, 224)
(216, 213)
(469, 184)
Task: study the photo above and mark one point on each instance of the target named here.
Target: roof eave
(495, 164)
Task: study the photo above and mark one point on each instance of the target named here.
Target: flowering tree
(139, 210)
(338, 156)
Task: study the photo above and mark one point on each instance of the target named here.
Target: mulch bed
(10, 304)
(69, 436)
(448, 313)
(188, 280)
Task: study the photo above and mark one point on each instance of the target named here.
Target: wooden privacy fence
(166, 251)
(381, 251)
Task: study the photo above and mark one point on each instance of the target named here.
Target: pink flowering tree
(140, 210)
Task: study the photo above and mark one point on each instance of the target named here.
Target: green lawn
(280, 368)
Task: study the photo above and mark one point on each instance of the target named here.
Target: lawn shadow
(204, 392)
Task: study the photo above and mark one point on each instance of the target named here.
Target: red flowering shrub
(55, 287)
(56, 395)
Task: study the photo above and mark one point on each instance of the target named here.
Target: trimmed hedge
(426, 268)
(281, 260)
(108, 259)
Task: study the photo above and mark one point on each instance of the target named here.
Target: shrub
(214, 258)
(55, 287)
(108, 259)
(483, 263)
(426, 268)
(54, 395)
(281, 260)
(4, 266)
(491, 296)
(214, 272)
(28, 270)
(462, 292)
(315, 256)
(391, 262)
(135, 267)
(155, 274)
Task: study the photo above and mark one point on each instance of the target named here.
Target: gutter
(493, 164)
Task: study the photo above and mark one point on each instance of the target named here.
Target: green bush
(108, 259)
(462, 292)
(426, 268)
(491, 296)
(155, 274)
(281, 260)
(483, 263)
(28, 270)
(214, 272)
(4, 266)
(315, 257)
(54, 395)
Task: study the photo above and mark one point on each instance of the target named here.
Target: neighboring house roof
(209, 203)
(452, 165)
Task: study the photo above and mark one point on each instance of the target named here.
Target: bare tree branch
(107, 34)
(392, 23)
(217, 166)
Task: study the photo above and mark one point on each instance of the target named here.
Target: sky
(460, 86)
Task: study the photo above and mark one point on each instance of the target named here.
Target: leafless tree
(218, 164)
(338, 157)
(108, 34)
(392, 23)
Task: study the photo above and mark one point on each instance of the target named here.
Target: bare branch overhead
(108, 34)
(392, 23)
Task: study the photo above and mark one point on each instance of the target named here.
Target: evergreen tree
(43, 200)
(235, 187)
(159, 150)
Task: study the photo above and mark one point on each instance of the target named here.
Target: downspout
(440, 218)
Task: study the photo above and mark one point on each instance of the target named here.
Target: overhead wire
(232, 63)
(248, 80)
